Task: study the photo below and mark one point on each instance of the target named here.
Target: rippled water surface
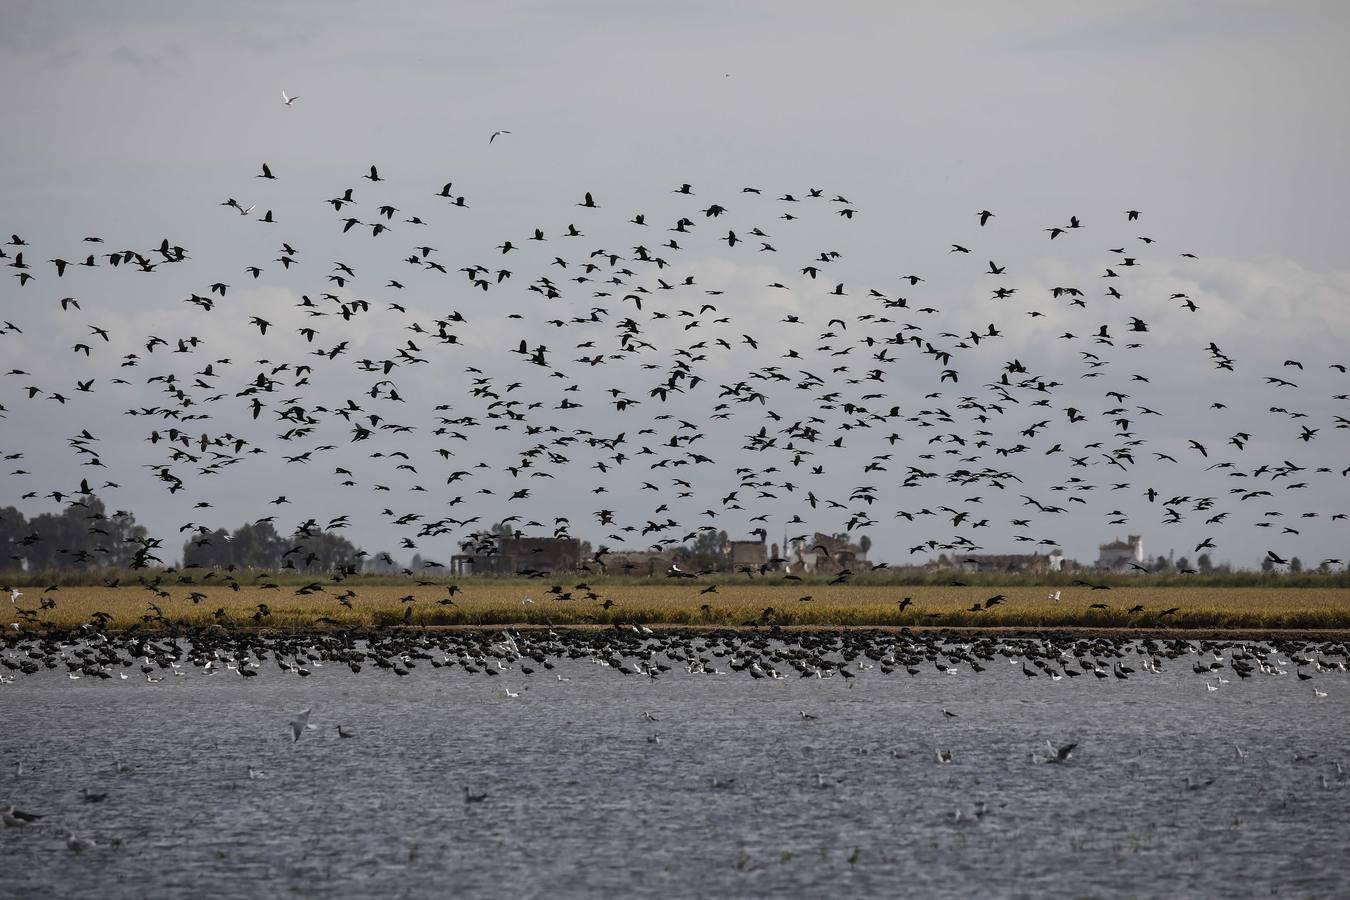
(730, 792)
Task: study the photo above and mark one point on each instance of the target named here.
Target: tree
(382, 564)
(1267, 565)
(13, 529)
(322, 551)
(127, 543)
(83, 535)
(257, 546)
(1295, 565)
(54, 541)
(865, 544)
(1204, 563)
(208, 549)
(708, 550)
(1183, 563)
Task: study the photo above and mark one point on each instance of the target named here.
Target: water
(740, 796)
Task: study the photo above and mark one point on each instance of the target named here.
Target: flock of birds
(423, 383)
(636, 652)
(633, 650)
(847, 397)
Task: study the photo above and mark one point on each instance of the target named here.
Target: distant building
(824, 553)
(635, 563)
(515, 555)
(1119, 554)
(1010, 562)
(753, 554)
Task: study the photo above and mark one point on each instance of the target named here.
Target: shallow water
(740, 795)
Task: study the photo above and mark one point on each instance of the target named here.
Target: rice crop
(499, 602)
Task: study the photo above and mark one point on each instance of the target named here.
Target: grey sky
(1224, 123)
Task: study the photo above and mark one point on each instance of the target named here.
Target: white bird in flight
(288, 100)
(1061, 753)
(299, 724)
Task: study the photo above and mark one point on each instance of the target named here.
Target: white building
(1119, 554)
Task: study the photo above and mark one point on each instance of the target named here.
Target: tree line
(85, 535)
(258, 545)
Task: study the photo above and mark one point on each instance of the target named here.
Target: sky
(1223, 123)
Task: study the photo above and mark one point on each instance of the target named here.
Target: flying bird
(299, 725)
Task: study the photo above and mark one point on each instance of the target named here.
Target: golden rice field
(487, 602)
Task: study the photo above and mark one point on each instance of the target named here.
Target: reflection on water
(724, 789)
